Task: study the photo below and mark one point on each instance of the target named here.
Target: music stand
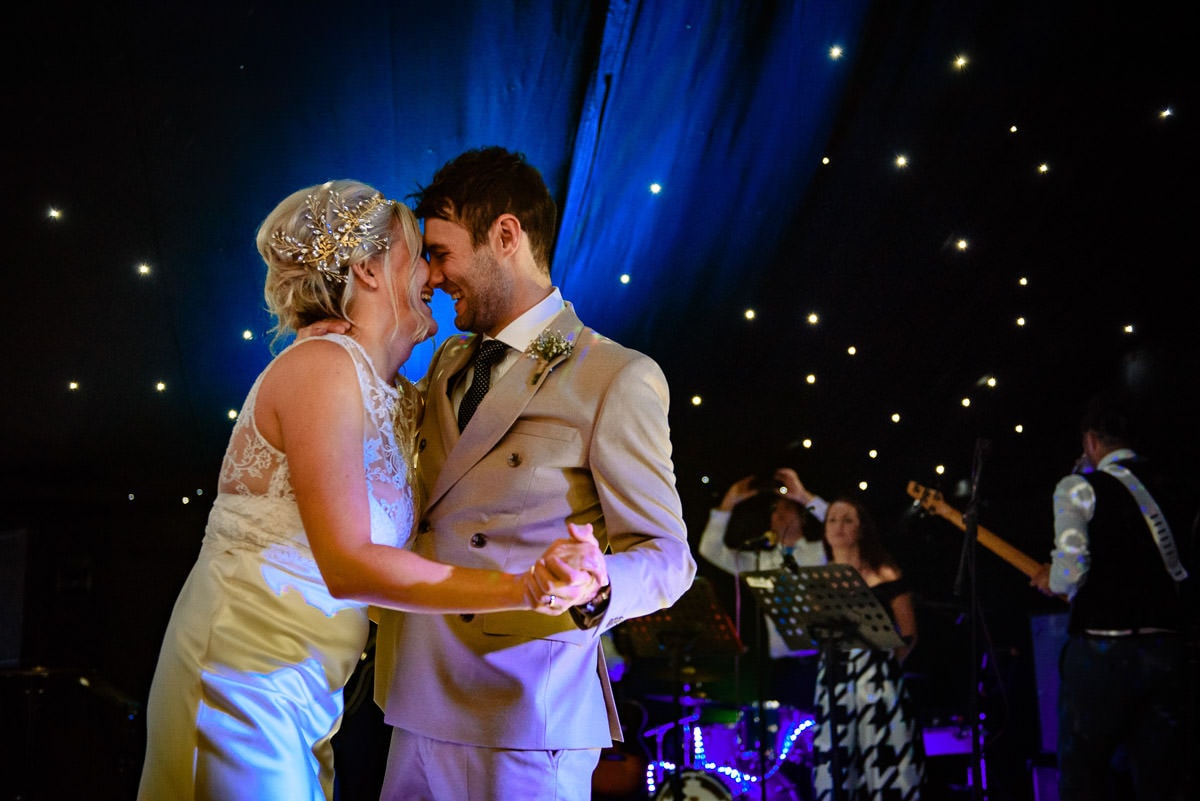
(695, 624)
(829, 608)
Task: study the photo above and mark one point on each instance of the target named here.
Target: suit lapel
(499, 409)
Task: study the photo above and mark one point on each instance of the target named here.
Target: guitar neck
(987, 539)
(998, 546)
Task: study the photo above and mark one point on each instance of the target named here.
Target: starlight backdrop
(859, 238)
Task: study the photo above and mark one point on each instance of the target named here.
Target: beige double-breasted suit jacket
(587, 441)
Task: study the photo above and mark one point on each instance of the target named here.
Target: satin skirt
(247, 694)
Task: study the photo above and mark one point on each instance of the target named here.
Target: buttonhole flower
(548, 346)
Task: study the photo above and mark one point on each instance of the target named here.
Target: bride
(315, 503)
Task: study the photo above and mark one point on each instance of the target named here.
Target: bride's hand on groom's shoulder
(323, 327)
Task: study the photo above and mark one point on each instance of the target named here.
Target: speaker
(1049, 632)
(13, 550)
(67, 734)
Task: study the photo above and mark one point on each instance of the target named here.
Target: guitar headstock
(929, 499)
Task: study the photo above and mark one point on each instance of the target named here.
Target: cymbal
(684, 700)
(692, 674)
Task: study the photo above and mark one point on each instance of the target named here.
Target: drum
(794, 730)
(697, 786)
(789, 736)
(726, 784)
(717, 743)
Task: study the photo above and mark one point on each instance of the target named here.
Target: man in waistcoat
(1124, 540)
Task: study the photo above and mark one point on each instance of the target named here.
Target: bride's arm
(309, 406)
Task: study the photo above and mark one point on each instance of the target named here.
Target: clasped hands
(570, 572)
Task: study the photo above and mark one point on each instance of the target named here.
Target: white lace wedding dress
(247, 694)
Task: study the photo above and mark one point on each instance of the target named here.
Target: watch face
(601, 596)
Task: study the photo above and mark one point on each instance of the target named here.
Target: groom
(573, 429)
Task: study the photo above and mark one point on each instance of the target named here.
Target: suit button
(421, 445)
(478, 540)
(424, 526)
(467, 618)
(514, 460)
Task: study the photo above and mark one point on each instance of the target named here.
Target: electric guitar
(621, 771)
(931, 501)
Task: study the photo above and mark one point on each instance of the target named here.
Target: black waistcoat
(1127, 585)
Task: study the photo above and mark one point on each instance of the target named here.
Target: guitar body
(621, 772)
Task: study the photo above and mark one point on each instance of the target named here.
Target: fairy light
(960, 63)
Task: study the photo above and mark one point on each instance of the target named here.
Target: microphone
(764, 543)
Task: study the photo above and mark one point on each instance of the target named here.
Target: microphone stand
(966, 571)
(762, 652)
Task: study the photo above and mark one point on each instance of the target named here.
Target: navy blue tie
(488, 354)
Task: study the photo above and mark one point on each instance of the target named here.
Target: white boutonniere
(548, 346)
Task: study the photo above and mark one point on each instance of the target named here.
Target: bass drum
(697, 786)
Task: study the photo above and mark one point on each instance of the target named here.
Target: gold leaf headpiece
(332, 242)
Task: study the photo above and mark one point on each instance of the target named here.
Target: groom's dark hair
(478, 186)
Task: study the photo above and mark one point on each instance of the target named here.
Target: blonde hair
(300, 291)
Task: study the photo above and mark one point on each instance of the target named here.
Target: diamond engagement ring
(551, 602)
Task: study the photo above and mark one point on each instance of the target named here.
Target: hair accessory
(329, 250)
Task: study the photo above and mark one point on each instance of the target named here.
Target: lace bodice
(256, 506)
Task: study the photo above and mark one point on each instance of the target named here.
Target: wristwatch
(587, 616)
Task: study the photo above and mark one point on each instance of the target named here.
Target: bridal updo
(312, 238)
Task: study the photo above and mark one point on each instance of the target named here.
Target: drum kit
(712, 751)
(723, 756)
